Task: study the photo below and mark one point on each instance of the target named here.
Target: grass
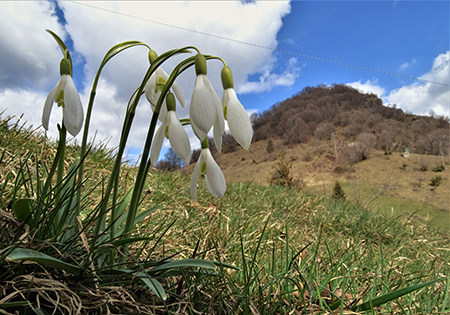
(280, 251)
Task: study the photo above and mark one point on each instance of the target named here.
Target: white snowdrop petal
(219, 129)
(177, 91)
(238, 120)
(48, 106)
(215, 181)
(157, 144)
(196, 175)
(178, 138)
(73, 109)
(203, 110)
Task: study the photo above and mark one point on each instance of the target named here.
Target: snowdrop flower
(235, 114)
(215, 181)
(154, 86)
(65, 94)
(205, 109)
(172, 129)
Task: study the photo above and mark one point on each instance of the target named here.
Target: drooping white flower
(205, 109)
(172, 129)
(65, 94)
(237, 118)
(235, 114)
(153, 89)
(214, 179)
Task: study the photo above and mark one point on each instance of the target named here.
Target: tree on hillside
(171, 161)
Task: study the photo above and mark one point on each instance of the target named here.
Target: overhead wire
(258, 45)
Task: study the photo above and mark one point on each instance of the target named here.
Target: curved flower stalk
(172, 129)
(205, 109)
(214, 179)
(155, 85)
(235, 114)
(65, 94)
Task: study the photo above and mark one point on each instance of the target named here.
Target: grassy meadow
(276, 250)
(388, 183)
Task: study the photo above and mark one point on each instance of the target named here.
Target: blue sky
(408, 38)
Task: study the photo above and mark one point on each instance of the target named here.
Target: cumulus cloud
(420, 98)
(28, 53)
(370, 86)
(30, 57)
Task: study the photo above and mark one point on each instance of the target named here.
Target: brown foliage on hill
(339, 110)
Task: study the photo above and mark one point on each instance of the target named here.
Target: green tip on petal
(227, 78)
(225, 109)
(203, 169)
(152, 55)
(170, 102)
(200, 64)
(64, 67)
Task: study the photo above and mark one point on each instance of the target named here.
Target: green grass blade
(390, 296)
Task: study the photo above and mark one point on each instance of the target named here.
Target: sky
(274, 48)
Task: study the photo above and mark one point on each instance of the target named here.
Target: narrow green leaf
(141, 216)
(60, 42)
(225, 265)
(31, 255)
(63, 47)
(122, 205)
(14, 304)
(151, 283)
(194, 263)
(390, 296)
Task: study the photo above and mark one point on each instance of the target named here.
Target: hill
(335, 133)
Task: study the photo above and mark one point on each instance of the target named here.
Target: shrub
(439, 168)
(269, 147)
(324, 130)
(436, 181)
(338, 192)
(282, 174)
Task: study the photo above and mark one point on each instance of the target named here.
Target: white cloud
(29, 57)
(407, 65)
(370, 86)
(420, 97)
(267, 81)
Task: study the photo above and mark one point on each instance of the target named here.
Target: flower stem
(60, 171)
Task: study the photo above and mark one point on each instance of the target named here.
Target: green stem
(110, 54)
(145, 162)
(60, 171)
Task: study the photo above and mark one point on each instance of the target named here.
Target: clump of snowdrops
(53, 213)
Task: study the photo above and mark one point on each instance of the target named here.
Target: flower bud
(170, 102)
(64, 67)
(227, 78)
(152, 55)
(200, 64)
